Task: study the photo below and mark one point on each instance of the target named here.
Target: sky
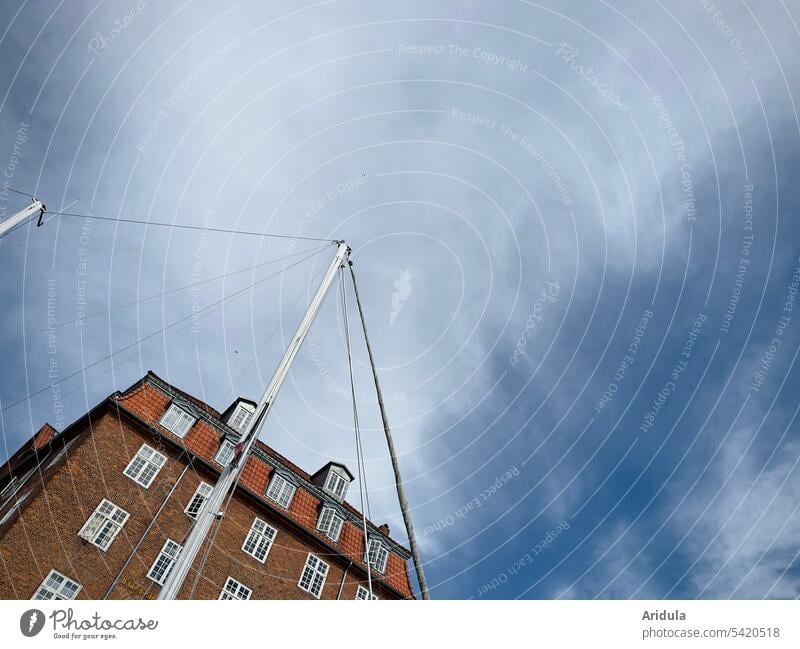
(574, 230)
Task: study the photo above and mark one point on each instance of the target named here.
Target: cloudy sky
(574, 230)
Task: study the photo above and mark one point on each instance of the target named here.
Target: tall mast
(21, 216)
(211, 509)
(398, 481)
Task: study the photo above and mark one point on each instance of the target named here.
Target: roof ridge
(302, 473)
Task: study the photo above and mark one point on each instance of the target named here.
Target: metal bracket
(40, 222)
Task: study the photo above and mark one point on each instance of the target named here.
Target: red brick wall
(44, 537)
(149, 403)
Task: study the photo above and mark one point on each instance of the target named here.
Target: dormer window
(333, 479)
(177, 420)
(336, 484)
(225, 452)
(377, 555)
(241, 416)
(330, 523)
(281, 490)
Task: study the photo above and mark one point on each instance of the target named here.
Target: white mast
(22, 216)
(212, 506)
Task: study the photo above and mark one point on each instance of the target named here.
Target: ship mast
(212, 507)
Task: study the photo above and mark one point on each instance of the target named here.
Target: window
(145, 465)
(280, 490)
(177, 420)
(363, 593)
(240, 417)
(313, 578)
(336, 484)
(330, 523)
(14, 486)
(103, 526)
(202, 492)
(234, 590)
(57, 586)
(60, 453)
(15, 508)
(161, 567)
(377, 555)
(8, 488)
(225, 452)
(259, 540)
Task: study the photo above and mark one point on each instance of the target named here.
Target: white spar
(212, 506)
(35, 208)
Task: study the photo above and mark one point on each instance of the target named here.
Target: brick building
(100, 510)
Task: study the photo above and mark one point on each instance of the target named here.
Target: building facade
(100, 511)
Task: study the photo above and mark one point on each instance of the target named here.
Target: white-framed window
(259, 540)
(177, 420)
(377, 555)
(161, 567)
(145, 465)
(240, 417)
(281, 490)
(313, 577)
(14, 486)
(202, 492)
(363, 593)
(336, 484)
(60, 453)
(9, 488)
(225, 452)
(57, 586)
(330, 523)
(15, 508)
(104, 524)
(234, 590)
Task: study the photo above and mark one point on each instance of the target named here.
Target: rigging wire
(401, 495)
(155, 333)
(362, 478)
(224, 510)
(291, 311)
(150, 297)
(16, 191)
(156, 342)
(185, 226)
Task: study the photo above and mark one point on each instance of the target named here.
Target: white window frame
(315, 573)
(203, 490)
(330, 523)
(245, 418)
(13, 487)
(60, 591)
(381, 555)
(164, 561)
(227, 455)
(238, 590)
(281, 489)
(260, 537)
(61, 452)
(177, 421)
(9, 487)
(145, 465)
(336, 484)
(107, 522)
(363, 593)
(15, 507)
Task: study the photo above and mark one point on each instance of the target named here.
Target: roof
(147, 400)
(330, 464)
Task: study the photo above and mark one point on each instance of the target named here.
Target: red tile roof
(148, 400)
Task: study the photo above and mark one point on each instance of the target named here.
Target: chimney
(384, 529)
